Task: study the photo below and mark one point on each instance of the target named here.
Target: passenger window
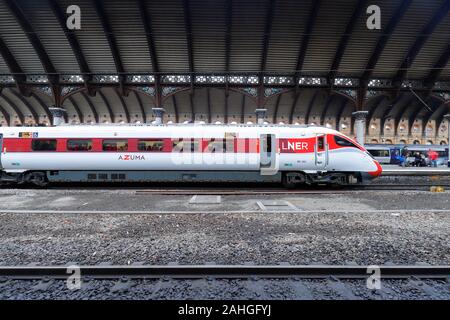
(229, 145)
(79, 145)
(115, 145)
(379, 153)
(43, 145)
(150, 145)
(177, 145)
(344, 142)
(194, 145)
(215, 145)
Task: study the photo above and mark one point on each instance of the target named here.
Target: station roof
(213, 59)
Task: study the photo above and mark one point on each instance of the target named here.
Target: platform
(395, 170)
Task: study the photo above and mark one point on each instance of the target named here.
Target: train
(390, 153)
(288, 154)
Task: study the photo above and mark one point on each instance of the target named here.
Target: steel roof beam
(401, 113)
(108, 106)
(71, 37)
(413, 116)
(14, 107)
(306, 36)
(325, 109)
(340, 112)
(265, 48)
(91, 106)
(344, 40)
(225, 116)
(267, 32)
(387, 111)
(147, 23)
(110, 37)
(5, 115)
(39, 48)
(191, 104)
(428, 116)
(310, 106)
(77, 109)
(373, 110)
(294, 104)
(14, 68)
(124, 106)
(277, 105)
(423, 36)
(383, 39)
(28, 106)
(243, 108)
(436, 71)
(141, 106)
(188, 28)
(208, 103)
(33, 38)
(441, 115)
(175, 108)
(229, 16)
(44, 106)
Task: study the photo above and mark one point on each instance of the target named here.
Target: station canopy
(217, 61)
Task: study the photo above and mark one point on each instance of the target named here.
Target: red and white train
(183, 152)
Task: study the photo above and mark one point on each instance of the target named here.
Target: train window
(379, 153)
(115, 145)
(79, 145)
(215, 145)
(320, 143)
(183, 145)
(229, 145)
(177, 145)
(344, 142)
(43, 145)
(194, 145)
(150, 145)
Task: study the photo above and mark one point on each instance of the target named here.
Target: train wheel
(38, 179)
(291, 179)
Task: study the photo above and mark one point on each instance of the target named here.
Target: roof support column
(360, 125)
(158, 92)
(447, 117)
(260, 114)
(159, 113)
(58, 116)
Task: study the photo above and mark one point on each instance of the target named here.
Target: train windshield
(344, 142)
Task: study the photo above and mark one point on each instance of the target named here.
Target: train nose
(376, 173)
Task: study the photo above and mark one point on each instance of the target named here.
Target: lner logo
(131, 157)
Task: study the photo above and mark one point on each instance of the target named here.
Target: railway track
(314, 190)
(262, 282)
(226, 271)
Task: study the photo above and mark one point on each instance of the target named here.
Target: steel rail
(349, 189)
(416, 172)
(236, 192)
(226, 271)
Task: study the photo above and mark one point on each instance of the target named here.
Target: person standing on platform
(405, 154)
(432, 155)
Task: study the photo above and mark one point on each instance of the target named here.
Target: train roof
(409, 146)
(175, 125)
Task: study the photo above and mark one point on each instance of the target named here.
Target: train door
(321, 151)
(1, 149)
(268, 156)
